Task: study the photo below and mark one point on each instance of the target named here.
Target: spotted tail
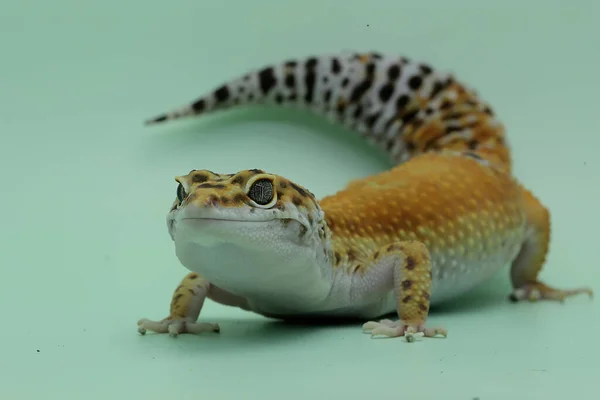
(403, 106)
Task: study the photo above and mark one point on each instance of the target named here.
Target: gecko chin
(245, 256)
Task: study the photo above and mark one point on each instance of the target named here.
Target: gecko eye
(261, 191)
(181, 194)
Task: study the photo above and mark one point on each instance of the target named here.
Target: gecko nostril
(211, 200)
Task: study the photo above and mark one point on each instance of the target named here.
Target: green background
(86, 187)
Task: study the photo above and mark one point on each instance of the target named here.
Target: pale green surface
(85, 251)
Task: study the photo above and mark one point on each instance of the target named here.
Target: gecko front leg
(186, 304)
(404, 267)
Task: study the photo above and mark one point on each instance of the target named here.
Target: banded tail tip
(156, 120)
(167, 116)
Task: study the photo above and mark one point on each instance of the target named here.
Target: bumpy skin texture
(443, 220)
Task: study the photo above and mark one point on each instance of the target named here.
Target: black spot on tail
(199, 106)
(393, 72)
(365, 85)
(310, 79)
(336, 67)
(267, 80)
(156, 120)
(222, 94)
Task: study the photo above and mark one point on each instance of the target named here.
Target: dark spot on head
(177, 297)
(238, 180)
(193, 276)
(406, 299)
(423, 307)
(426, 296)
(488, 111)
(296, 200)
(376, 255)
(240, 198)
(212, 186)
(406, 284)
(472, 144)
(301, 191)
(282, 185)
(410, 263)
(256, 171)
(224, 200)
(199, 178)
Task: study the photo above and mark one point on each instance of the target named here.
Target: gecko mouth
(199, 219)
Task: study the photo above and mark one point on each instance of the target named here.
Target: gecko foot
(390, 328)
(538, 291)
(175, 326)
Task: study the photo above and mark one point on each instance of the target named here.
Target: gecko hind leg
(530, 260)
(186, 304)
(410, 265)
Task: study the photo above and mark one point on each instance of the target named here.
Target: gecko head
(252, 217)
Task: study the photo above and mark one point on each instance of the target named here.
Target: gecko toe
(176, 326)
(399, 328)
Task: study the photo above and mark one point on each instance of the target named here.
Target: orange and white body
(443, 220)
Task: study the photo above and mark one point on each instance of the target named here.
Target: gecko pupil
(261, 191)
(181, 195)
